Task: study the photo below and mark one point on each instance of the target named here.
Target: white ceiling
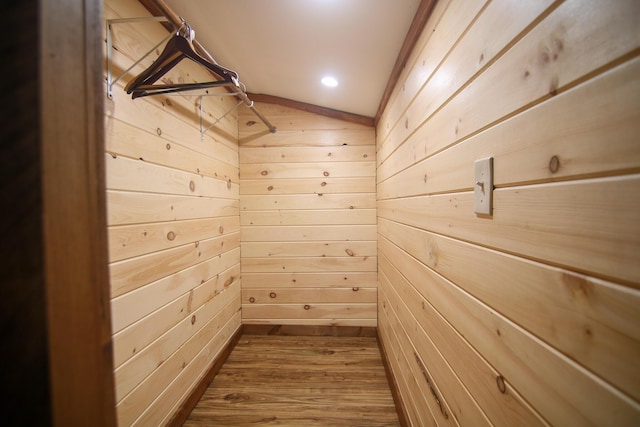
(284, 47)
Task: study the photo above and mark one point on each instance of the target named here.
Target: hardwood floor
(299, 381)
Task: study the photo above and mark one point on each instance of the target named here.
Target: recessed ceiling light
(329, 81)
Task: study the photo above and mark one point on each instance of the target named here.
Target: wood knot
(578, 286)
(221, 229)
(251, 123)
(193, 319)
(501, 385)
(325, 173)
(269, 188)
(264, 173)
(323, 184)
(349, 252)
(406, 123)
(588, 331)
(228, 282)
(252, 300)
(229, 185)
(159, 131)
(192, 186)
(168, 146)
(543, 58)
(356, 289)
(554, 164)
(171, 235)
(307, 306)
(272, 295)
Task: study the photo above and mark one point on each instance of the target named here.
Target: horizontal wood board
(527, 316)
(307, 220)
(173, 228)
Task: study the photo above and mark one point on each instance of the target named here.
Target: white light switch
(483, 185)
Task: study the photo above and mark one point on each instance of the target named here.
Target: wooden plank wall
(174, 231)
(528, 317)
(308, 221)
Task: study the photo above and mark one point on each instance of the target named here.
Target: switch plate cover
(483, 186)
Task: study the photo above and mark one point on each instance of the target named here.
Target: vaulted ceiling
(283, 48)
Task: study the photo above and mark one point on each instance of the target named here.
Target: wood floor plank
(299, 380)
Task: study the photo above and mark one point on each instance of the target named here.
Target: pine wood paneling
(321, 295)
(588, 225)
(575, 40)
(316, 185)
(132, 372)
(308, 217)
(174, 231)
(127, 341)
(478, 375)
(135, 305)
(136, 208)
(129, 141)
(131, 240)
(307, 201)
(448, 20)
(557, 140)
(340, 153)
(308, 170)
(586, 318)
(308, 264)
(313, 249)
(327, 280)
(321, 233)
(528, 316)
(140, 176)
(134, 273)
(308, 222)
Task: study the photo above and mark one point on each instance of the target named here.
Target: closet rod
(177, 22)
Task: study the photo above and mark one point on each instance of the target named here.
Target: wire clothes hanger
(178, 47)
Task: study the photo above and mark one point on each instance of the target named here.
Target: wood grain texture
(528, 316)
(576, 122)
(294, 381)
(307, 219)
(180, 416)
(174, 231)
(73, 202)
(420, 19)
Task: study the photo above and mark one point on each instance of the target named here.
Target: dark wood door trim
(74, 214)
